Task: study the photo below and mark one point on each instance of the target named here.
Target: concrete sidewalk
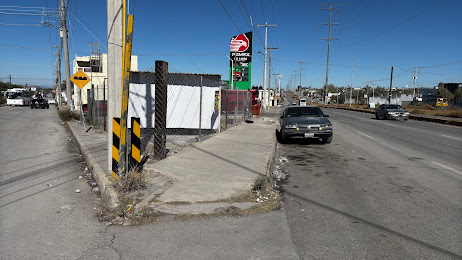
(201, 177)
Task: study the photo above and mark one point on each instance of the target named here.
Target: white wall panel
(182, 106)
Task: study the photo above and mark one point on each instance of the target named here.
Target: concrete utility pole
(373, 95)
(330, 9)
(269, 72)
(265, 94)
(391, 84)
(66, 55)
(114, 67)
(301, 63)
(277, 81)
(59, 75)
(351, 85)
(415, 72)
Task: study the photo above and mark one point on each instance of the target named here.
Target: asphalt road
(41, 215)
(381, 190)
(376, 192)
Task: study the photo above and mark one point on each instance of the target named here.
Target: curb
(108, 192)
(411, 116)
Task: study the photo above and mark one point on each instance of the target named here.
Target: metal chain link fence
(176, 110)
(94, 107)
(236, 107)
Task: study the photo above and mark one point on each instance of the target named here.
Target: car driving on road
(39, 103)
(391, 111)
(305, 122)
(51, 101)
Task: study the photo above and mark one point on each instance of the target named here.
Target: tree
(458, 95)
(331, 88)
(444, 93)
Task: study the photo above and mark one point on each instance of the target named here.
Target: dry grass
(66, 114)
(431, 110)
(132, 181)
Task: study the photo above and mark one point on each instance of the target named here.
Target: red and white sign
(239, 44)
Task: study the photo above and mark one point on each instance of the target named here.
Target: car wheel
(327, 140)
(377, 116)
(282, 137)
(31, 107)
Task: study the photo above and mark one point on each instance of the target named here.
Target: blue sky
(193, 37)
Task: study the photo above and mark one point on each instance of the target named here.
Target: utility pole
(63, 35)
(265, 94)
(391, 83)
(373, 95)
(58, 75)
(10, 81)
(330, 9)
(269, 72)
(115, 36)
(415, 72)
(351, 85)
(277, 81)
(301, 64)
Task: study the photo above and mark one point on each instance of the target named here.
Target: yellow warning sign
(80, 79)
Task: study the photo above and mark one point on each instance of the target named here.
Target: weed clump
(66, 114)
(131, 181)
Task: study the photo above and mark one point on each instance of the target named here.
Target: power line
(397, 25)
(22, 47)
(16, 24)
(176, 36)
(88, 30)
(230, 17)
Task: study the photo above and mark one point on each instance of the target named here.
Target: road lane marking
(366, 135)
(451, 137)
(447, 168)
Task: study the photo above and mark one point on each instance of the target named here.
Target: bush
(67, 115)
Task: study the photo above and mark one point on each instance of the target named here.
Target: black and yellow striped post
(135, 138)
(115, 147)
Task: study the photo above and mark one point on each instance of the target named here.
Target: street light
(232, 73)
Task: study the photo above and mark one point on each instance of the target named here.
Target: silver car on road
(305, 122)
(391, 111)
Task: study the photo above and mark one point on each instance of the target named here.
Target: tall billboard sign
(240, 51)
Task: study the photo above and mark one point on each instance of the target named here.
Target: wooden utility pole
(391, 84)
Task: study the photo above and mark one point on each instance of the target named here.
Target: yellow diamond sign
(80, 79)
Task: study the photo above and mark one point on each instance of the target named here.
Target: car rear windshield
(303, 111)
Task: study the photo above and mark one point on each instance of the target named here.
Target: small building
(95, 67)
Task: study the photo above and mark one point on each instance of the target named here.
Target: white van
(302, 102)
